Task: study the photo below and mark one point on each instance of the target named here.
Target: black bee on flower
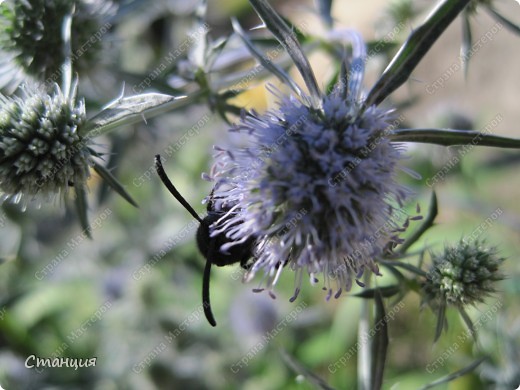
(212, 246)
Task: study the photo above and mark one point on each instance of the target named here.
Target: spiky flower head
(315, 187)
(314, 180)
(31, 35)
(41, 150)
(462, 275)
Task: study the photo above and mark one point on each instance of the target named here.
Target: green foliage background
(62, 294)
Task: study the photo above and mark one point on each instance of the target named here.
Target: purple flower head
(315, 186)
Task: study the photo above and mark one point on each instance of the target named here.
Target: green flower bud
(31, 35)
(41, 151)
(462, 275)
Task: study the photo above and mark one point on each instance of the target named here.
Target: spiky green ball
(41, 151)
(462, 275)
(31, 31)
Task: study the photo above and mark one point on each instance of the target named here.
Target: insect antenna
(160, 171)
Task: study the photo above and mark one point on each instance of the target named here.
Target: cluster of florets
(315, 187)
(41, 150)
(463, 274)
(31, 35)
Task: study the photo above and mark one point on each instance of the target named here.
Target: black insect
(210, 246)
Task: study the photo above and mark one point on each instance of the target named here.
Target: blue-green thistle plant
(41, 151)
(32, 42)
(315, 185)
(314, 182)
(461, 276)
(464, 274)
(311, 179)
(46, 142)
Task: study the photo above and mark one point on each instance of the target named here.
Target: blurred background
(131, 296)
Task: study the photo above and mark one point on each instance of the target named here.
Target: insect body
(210, 246)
